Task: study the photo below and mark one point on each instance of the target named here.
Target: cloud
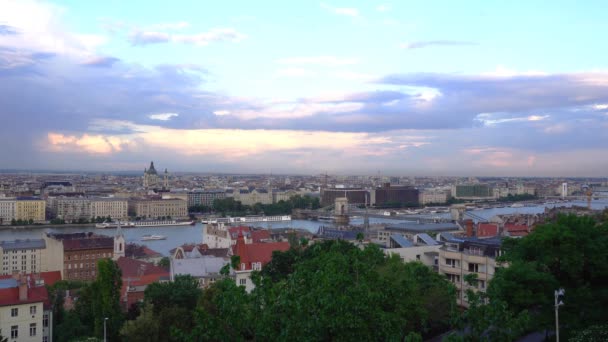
(6, 30)
(430, 43)
(330, 61)
(100, 61)
(163, 116)
(383, 8)
(139, 37)
(347, 11)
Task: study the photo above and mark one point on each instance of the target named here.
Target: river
(179, 235)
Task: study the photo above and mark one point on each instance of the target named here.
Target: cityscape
(303, 171)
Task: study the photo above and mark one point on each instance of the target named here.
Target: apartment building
(30, 209)
(25, 310)
(204, 197)
(25, 256)
(251, 197)
(154, 208)
(109, 207)
(459, 257)
(7, 210)
(75, 255)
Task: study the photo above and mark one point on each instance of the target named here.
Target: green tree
(2, 338)
(165, 262)
(101, 299)
(568, 253)
(144, 328)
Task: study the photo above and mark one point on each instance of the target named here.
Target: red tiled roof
(150, 252)
(35, 294)
(487, 230)
(257, 252)
(259, 235)
(88, 243)
(49, 278)
(235, 231)
(511, 227)
(132, 268)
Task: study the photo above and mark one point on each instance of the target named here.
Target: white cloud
(141, 37)
(318, 60)
(221, 112)
(383, 8)
(347, 11)
(163, 116)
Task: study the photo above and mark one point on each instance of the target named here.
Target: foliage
(165, 262)
(133, 250)
(230, 206)
(569, 253)
(594, 333)
(2, 338)
(144, 328)
(328, 291)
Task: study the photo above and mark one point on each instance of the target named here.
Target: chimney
(23, 288)
(469, 225)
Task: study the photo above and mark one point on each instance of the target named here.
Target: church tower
(119, 243)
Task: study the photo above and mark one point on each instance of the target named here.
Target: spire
(118, 229)
(119, 242)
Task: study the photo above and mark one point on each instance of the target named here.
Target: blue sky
(407, 88)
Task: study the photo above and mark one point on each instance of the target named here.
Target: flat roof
(422, 227)
(23, 244)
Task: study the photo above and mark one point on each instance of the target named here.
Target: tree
(569, 253)
(165, 262)
(144, 328)
(2, 338)
(101, 299)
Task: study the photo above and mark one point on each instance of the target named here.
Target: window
(45, 320)
(417, 256)
(452, 262)
(32, 329)
(32, 310)
(45, 339)
(473, 267)
(243, 282)
(482, 284)
(14, 312)
(454, 278)
(15, 331)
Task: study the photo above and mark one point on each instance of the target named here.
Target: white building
(23, 256)
(564, 190)
(7, 210)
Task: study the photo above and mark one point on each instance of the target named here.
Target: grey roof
(449, 237)
(423, 227)
(427, 239)
(401, 240)
(198, 267)
(23, 244)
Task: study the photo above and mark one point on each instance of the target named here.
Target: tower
(119, 243)
(166, 180)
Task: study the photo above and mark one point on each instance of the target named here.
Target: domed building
(152, 179)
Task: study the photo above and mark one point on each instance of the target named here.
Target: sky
(403, 88)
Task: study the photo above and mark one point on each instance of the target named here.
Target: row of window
(15, 331)
(15, 311)
(82, 265)
(88, 256)
(20, 250)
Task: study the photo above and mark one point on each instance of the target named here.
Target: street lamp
(104, 329)
(558, 303)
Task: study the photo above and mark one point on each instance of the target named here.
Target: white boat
(162, 223)
(114, 225)
(248, 219)
(153, 237)
(517, 205)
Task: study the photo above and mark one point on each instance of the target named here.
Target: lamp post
(104, 329)
(558, 303)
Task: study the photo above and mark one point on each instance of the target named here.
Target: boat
(517, 205)
(114, 225)
(153, 237)
(163, 223)
(247, 219)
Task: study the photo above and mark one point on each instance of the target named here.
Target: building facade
(427, 197)
(152, 180)
(472, 191)
(30, 209)
(204, 197)
(354, 195)
(460, 257)
(7, 210)
(117, 209)
(23, 256)
(393, 195)
(155, 208)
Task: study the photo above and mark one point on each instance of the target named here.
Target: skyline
(404, 89)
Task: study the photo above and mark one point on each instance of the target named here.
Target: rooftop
(23, 244)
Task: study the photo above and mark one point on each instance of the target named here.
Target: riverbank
(46, 226)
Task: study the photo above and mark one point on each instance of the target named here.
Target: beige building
(7, 210)
(461, 257)
(155, 208)
(70, 208)
(112, 207)
(251, 197)
(30, 208)
(23, 256)
(427, 197)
